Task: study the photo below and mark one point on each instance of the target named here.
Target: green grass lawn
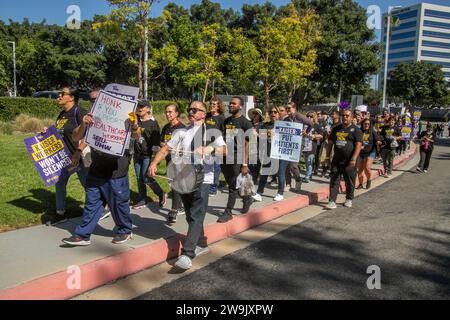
(24, 198)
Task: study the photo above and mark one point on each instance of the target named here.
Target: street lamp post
(386, 54)
(14, 66)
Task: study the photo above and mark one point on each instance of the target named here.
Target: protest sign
(287, 141)
(50, 156)
(406, 132)
(120, 90)
(417, 115)
(110, 132)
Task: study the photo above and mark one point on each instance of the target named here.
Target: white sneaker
(201, 250)
(181, 211)
(184, 262)
(425, 171)
(278, 197)
(348, 203)
(331, 205)
(257, 197)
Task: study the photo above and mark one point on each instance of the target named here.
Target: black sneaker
(76, 241)
(121, 238)
(162, 200)
(172, 216)
(225, 217)
(359, 187)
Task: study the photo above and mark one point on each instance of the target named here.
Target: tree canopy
(418, 83)
(309, 51)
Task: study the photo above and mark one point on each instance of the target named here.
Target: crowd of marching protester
(340, 145)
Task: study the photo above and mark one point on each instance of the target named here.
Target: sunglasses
(62, 94)
(274, 111)
(195, 110)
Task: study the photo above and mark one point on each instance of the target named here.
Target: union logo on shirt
(61, 123)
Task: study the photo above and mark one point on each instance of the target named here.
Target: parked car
(46, 94)
(54, 95)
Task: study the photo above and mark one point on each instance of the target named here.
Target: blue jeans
(282, 176)
(61, 188)
(195, 205)
(141, 167)
(213, 188)
(309, 159)
(116, 192)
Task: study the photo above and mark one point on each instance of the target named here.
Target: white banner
(110, 132)
(287, 141)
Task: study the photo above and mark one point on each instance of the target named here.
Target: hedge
(42, 108)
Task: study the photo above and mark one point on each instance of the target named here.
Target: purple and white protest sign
(50, 156)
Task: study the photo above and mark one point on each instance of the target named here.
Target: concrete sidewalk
(35, 262)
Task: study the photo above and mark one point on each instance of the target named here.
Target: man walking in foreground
(346, 139)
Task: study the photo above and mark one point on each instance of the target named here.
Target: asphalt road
(403, 227)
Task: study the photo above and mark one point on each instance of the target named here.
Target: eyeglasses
(274, 111)
(195, 110)
(288, 108)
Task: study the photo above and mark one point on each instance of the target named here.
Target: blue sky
(54, 11)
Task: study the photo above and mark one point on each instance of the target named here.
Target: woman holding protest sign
(427, 139)
(69, 118)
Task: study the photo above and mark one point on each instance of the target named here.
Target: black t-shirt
(424, 144)
(344, 140)
(150, 137)
(215, 121)
(370, 137)
(265, 134)
(309, 143)
(234, 136)
(388, 135)
(106, 166)
(167, 133)
(66, 122)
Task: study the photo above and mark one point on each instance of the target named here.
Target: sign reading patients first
(287, 141)
(50, 156)
(110, 132)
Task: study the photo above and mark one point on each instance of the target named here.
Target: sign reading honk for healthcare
(110, 132)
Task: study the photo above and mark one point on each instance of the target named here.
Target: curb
(97, 273)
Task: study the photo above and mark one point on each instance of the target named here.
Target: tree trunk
(266, 95)
(205, 91)
(141, 87)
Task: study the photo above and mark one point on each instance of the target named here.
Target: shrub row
(41, 108)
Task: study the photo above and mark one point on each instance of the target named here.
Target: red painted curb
(102, 271)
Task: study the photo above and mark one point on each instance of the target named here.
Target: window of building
(437, 14)
(436, 34)
(427, 53)
(436, 24)
(401, 45)
(405, 35)
(436, 44)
